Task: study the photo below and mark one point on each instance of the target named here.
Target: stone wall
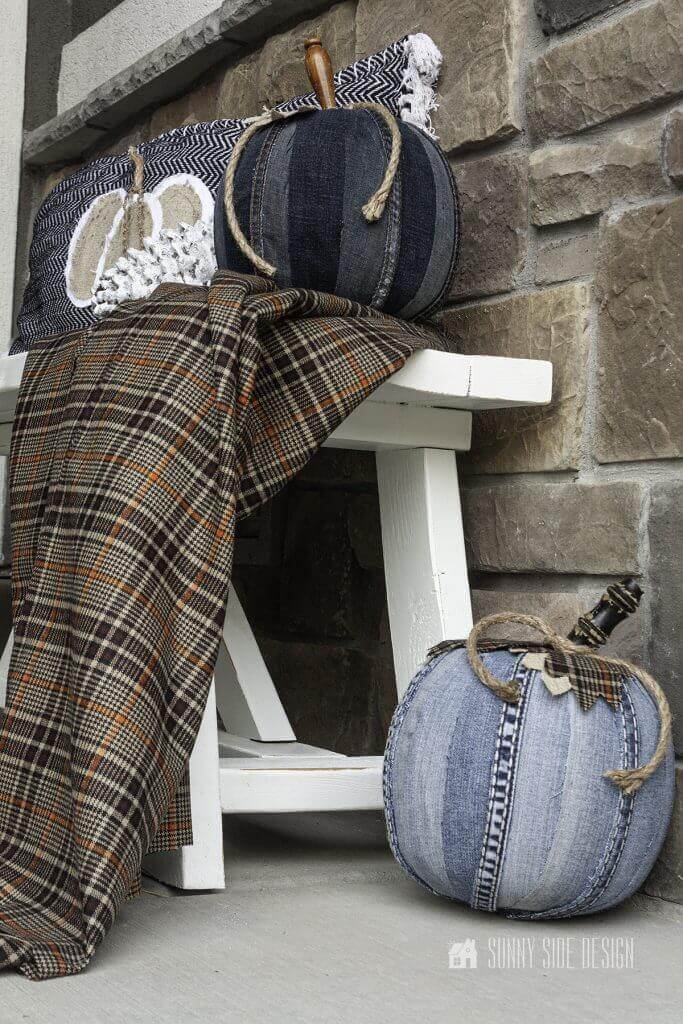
(568, 151)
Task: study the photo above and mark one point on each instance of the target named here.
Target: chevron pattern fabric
(200, 150)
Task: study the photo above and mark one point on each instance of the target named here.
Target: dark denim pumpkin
(299, 191)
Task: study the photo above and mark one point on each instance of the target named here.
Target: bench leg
(428, 591)
(199, 866)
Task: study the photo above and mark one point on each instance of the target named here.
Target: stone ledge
(221, 36)
(119, 34)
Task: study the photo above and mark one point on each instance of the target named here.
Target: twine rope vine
(627, 779)
(373, 208)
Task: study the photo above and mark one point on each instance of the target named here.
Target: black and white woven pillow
(82, 227)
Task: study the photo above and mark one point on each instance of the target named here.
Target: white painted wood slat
(448, 380)
(252, 786)
(230, 745)
(424, 554)
(11, 371)
(378, 426)
(442, 380)
(245, 693)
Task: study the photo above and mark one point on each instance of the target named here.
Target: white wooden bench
(416, 423)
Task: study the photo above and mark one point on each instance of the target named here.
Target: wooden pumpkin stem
(319, 69)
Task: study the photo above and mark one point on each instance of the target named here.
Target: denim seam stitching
(501, 795)
(259, 189)
(392, 239)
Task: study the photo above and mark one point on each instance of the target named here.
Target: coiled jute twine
(627, 779)
(372, 210)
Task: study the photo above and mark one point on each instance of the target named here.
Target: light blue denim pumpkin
(505, 806)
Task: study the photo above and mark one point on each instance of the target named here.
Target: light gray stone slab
(319, 925)
(163, 73)
(118, 39)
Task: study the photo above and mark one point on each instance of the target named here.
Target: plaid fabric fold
(137, 445)
(588, 677)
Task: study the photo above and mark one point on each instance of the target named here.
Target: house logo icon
(462, 954)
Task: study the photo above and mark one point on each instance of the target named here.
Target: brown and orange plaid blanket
(137, 445)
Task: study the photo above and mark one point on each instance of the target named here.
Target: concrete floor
(319, 925)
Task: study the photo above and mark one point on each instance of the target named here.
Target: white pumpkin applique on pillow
(119, 221)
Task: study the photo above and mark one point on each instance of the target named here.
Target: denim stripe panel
(588, 809)
(606, 861)
(417, 219)
(541, 767)
(363, 256)
(434, 285)
(501, 794)
(439, 780)
(420, 853)
(272, 227)
(315, 226)
(468, 782)
(230, 256)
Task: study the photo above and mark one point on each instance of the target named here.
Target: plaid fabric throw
(137, 444)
